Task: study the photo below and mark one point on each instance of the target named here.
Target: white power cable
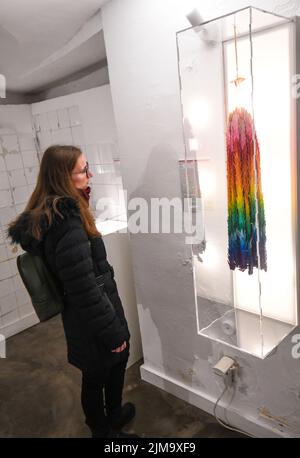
(226, 388)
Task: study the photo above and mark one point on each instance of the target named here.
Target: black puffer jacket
(92, 326)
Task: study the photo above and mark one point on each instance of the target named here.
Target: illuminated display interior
(243, 63)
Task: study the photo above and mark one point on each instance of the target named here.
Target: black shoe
(119, 419)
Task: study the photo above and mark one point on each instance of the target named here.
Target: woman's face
(81, 173)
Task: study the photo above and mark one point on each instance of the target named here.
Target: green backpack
(41, 286)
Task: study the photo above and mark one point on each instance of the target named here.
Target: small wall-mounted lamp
(208, 33)
(194, 17)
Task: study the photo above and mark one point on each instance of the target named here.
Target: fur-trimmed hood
(19, 233)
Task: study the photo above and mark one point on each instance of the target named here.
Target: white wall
(94, 130)
(95, 108)
(141, 50)
(18, 166)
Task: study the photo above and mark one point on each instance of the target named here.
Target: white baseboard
(19, 325)
(206, 403)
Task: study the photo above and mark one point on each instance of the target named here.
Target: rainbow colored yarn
(242, 228)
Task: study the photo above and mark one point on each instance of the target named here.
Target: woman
(57, 224)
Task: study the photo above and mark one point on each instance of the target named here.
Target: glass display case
(239, 122)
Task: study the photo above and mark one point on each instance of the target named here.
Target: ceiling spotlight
(194, 17)
(207, 32)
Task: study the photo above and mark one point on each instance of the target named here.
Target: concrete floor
(40, 395)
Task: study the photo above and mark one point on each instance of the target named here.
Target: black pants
(97, 408)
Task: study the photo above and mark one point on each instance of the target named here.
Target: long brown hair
(54, 181)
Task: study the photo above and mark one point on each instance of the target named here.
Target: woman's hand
(121, 348)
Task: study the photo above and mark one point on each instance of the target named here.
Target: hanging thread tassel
(242, 200)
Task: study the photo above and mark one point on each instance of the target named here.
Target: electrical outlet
(226, 368)
(224, 365)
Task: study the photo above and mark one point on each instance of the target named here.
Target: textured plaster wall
(142, 59)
